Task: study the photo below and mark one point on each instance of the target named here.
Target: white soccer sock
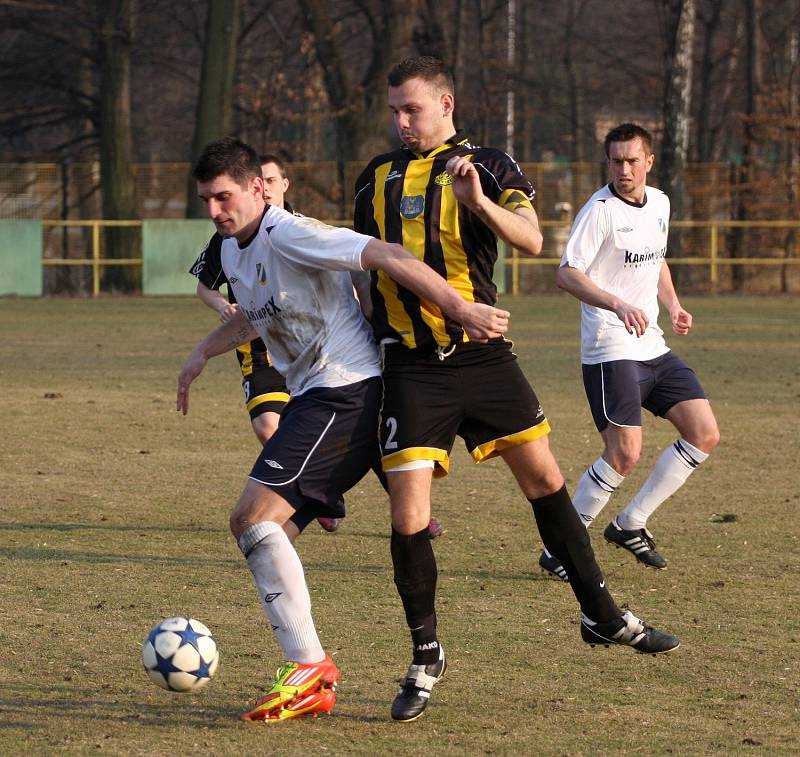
(281, 584)
(595, 488)
(670, 472)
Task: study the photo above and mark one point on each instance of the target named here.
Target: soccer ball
(180, 654)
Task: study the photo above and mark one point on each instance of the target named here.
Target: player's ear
(447, 101)
(257, 186)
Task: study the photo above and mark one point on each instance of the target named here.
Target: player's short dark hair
(627, 132)
(426, 67)
(228, 156)
(269, 157)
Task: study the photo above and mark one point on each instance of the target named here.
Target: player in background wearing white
(614, 263)
(290, 276)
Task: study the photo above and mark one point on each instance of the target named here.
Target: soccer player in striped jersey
(615, 264)
(447, 200)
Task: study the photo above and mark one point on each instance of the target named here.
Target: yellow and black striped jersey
(407, 198)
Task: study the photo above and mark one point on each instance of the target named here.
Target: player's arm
(223, 339)
(216, 301)
(480, 321)
(579, 285)
(518, 227)
(360, 281)
(668, 297)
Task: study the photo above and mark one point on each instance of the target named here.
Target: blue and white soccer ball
(180, 654)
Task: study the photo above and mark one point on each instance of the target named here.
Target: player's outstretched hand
(482, 322)
(466, 182)
(635, 320)
(681, 320)
(191, 369)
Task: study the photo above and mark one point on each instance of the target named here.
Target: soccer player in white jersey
(291, 278)
(615, 264)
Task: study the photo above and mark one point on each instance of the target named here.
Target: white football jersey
(292, 283)
(621, 247)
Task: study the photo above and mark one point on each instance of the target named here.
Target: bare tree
(115, 27)
(677, 111)
(214, 117)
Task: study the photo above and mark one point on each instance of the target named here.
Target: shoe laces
(632, 632)
(419, 678)
(281, 674)
(648, 537)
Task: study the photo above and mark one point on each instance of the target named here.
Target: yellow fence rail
(713, 260)
(95, 261)
(515, 261)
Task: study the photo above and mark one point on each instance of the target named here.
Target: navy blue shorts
(326, 442)
(618, 390)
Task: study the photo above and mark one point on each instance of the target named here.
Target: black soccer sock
(565, 537)
(415, 577)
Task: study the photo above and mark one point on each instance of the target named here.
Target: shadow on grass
(190, 529)
(36, 708)
(58, 555)
(64, 527)
(44, 704)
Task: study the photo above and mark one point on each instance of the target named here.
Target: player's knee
(410, 521)
(236, 524)
(241, 518)
(706, 438)
(624, 460)
(548, 482)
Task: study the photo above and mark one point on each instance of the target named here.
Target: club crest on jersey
(261, 273)
(412, 206)
(662, 225)
(444, 179)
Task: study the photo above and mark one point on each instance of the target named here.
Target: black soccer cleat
(639, 543)
(553, 566)
(415, 691)
(628, 631)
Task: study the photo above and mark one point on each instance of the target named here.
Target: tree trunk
(573, 88)
(677, 114)
(705, 136)
(753, 83)
(116, 170)
(792, 139)
(214, 117)
(359, 109)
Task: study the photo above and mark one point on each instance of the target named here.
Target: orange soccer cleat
(298, 690)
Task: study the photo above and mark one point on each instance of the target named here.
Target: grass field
(113, 514)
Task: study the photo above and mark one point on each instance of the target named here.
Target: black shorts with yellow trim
(478, 393)
(264, 391)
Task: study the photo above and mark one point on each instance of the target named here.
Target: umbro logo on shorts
(273, 464)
